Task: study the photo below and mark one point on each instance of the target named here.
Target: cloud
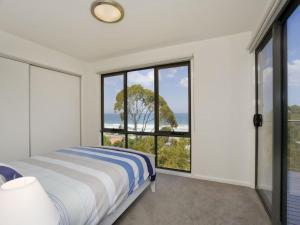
(267, 75)
(171, 72)
(184, 82)
(136, 77)
(294, 73)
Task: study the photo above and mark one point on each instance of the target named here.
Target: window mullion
(156, 106)
(125, 110)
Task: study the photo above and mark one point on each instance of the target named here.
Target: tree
(294, 138)
(107, 142)
(140, 107)
(172, 152)
(142, 143)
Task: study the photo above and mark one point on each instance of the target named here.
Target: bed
(91, 185)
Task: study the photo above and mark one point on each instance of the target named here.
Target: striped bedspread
(85, 183)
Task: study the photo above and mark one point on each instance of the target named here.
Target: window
(112, 91)
(148, 110)
(140, 100)
(176, 100)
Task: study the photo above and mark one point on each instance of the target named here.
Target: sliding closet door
(264, 123)
(14, 113)
(55, 110)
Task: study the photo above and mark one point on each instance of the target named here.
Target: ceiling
(69, 27)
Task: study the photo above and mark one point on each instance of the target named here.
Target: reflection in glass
(140, 100)
(265, 133)
(174, 153)
(174, 99)
(141, 143)
(113, 102)
(114, 139)
(293, 53)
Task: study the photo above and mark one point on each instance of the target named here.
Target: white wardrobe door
(55, 110)
(14, 110)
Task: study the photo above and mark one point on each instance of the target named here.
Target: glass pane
(113, 102)
(293, 53)
(140, 100)
(141, 143)
(174, 153)
(265, 132)
(114, 139)
(174, 99)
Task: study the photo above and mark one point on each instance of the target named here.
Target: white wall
(222, 103)
(19, 48)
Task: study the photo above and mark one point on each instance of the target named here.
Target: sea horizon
(113, 121)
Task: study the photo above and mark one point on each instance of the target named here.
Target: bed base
(110, 219)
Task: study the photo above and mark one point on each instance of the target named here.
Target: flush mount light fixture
(107, 11)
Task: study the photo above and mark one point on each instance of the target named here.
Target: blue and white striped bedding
(86, 184)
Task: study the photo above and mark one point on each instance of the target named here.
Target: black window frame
(156, 133)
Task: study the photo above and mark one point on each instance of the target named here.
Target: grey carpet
(185, 201)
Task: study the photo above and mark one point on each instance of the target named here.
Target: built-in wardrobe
(40, 109)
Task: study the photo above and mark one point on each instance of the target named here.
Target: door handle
(258, 120)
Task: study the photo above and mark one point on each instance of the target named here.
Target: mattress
(86, 184)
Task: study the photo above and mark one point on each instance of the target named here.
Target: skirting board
(207, 178)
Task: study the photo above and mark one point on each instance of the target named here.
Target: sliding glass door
(264, 123)
(293, 117)
(277, 118)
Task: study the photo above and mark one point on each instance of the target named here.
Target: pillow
(7, 173)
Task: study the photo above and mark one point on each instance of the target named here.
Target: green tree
(107, 141)
(294, 138)
(294, 112)
(140, 107)
(173, 152)
(142, 143)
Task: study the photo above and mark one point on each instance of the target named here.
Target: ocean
(113, 121)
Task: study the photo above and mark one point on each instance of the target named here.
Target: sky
(173, 86)
(112, 86)
(293, 35)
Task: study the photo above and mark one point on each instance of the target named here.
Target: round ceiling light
(107, 11)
